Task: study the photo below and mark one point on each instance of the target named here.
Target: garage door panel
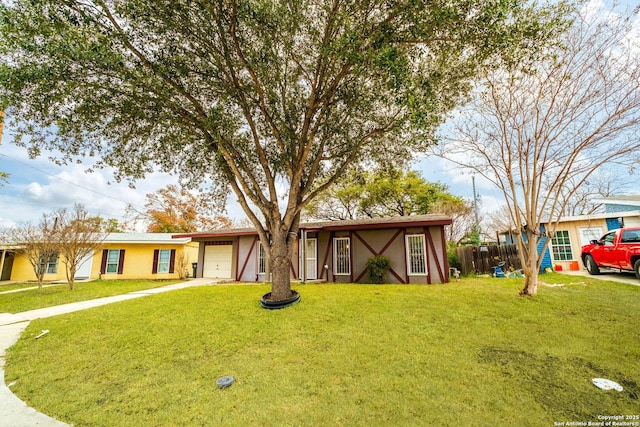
(217, 261)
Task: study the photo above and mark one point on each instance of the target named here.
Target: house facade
(121, 256)
(335, 251)
(573, 232)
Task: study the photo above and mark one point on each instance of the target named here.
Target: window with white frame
(416, 254)
(113, 259)
(164, 259)
(51, 265)
(341, 256)
(262, 259)
(561, 246)
(587, 234)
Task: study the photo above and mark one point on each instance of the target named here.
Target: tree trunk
(530, 284)
(531, 269)
(71, 275)
(281, 252)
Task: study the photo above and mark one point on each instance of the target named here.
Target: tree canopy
(176, 210)
(382, 193)
(540, 132)
(272, 99)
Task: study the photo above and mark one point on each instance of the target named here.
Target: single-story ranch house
(335, 251)
(572, 232)
(121, 256)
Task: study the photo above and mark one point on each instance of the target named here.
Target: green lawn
(12, 286)
(469, 353)
(48, 296)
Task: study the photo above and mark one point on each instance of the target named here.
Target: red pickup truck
(619, 249)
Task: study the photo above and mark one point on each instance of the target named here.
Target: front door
(84, 267)
(311, 253)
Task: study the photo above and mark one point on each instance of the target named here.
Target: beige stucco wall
(574, 227)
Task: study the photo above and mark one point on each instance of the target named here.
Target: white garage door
(217, 261)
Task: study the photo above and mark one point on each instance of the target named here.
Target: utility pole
(475, 203)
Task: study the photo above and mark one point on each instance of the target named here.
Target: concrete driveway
(612, 275)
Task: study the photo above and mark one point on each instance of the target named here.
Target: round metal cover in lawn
(224, 382)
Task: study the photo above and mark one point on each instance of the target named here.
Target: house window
(262, 259)
(587, 234)
(163, 261)
(416, 254)
(113, 260)
(341, 256)
(51, 266)
(561, 246)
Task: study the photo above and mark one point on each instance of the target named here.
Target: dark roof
(379, 223)
(349, 224)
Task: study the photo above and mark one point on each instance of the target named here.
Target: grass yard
(468, 353)
(48, 296)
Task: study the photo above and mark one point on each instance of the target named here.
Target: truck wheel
(636, 268)
(591, 265)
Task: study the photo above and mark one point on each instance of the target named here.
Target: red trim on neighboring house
(156, 257)
(121, 262)
(443, 242)
(366, 245)
(391, 241)
(326, 255)
(377, 225)
(404, 251)
(246, 261)
(223, 233)
(103, 264)
(172, 261)
(432, 246)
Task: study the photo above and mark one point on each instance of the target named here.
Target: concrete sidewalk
(13, 411)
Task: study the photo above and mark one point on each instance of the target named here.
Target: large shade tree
(272, 99)
(540, 133)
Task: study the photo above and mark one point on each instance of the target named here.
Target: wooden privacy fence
(480, 259)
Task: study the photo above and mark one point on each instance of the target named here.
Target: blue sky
(37, 186)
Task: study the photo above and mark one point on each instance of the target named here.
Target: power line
(65, 180)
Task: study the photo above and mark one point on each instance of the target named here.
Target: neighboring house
(122, 256)
(572, 232)
(335, 251)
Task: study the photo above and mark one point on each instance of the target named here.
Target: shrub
(377, 267)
